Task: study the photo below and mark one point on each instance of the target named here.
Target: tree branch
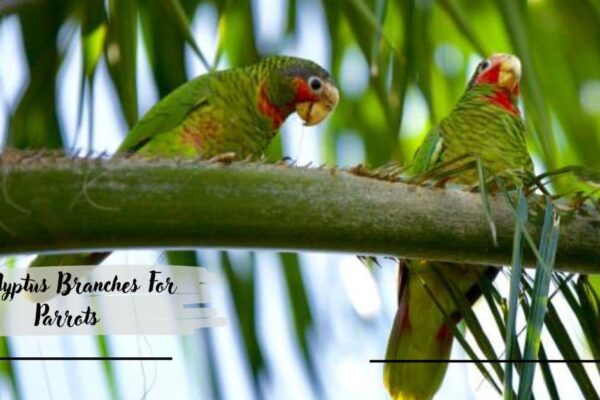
(53, 203)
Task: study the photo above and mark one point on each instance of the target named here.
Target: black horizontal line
(86, 358)
(414, 361)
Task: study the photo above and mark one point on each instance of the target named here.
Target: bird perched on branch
(485, 126)
(233, 113)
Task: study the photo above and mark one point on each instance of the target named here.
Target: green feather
(428, 154)
(478, 129)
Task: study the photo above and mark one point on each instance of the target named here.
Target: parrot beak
(510, 72)
(314, 112)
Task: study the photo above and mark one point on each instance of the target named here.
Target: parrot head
(501, 72)
(294, 84)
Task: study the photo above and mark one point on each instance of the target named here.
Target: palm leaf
(121, 54)
(517, 265)
(7, 369)
(548, 244)
(516, 27)
(108, 367)
(588, 313)
(563, 341)
(242, 286)
(455, 12)
(238, 41)
(301, 312)
(544, 365)
(167, 62)
(93, 40)
(34, 123)
(179, 18)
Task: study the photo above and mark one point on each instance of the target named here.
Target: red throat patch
(503, 99)
(276, 114)
(269, 110)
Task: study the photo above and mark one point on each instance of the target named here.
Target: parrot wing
(168, 113)
(429, 153)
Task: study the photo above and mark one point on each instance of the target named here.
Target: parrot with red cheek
(235, 112)
(486, 125)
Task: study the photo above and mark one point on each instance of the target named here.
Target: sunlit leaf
(457, 15)
(565, 345)
(545, 367)
(237, 32)
(180, 20)
(93, 40)
(516, 26)
(588, 314)
(167, 62)
(34, 123)
(548, 244)
(516, 270)
(242, 286)
(108, 367)
(300, 310)
(121, 54)
(7, 369)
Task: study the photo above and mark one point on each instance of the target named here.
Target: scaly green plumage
(484, 125)
(224, 111)
(479, 129)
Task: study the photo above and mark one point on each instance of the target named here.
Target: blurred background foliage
(400, 65)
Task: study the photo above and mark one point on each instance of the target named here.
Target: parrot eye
(315, 83)
(485, 64)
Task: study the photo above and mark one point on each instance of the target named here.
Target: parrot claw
(226, 158)
(286, 162)
(441, 184)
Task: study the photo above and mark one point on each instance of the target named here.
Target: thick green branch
(50, 203)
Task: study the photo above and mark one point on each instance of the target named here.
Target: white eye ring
(485, 64)
(316, 84)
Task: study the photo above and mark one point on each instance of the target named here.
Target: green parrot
(485, 125)
(235, 112)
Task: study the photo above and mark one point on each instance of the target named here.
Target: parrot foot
(286, 162)
(441, 184)
(226, 158)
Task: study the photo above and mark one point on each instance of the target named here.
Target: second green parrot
(485, 125)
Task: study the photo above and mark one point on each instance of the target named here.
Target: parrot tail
(419, 330)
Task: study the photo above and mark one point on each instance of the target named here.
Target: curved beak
(510, 72)
(314, 112)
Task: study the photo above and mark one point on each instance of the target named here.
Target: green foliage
(515, 279)
(34, 123)
(541, 287)
(411, 49)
